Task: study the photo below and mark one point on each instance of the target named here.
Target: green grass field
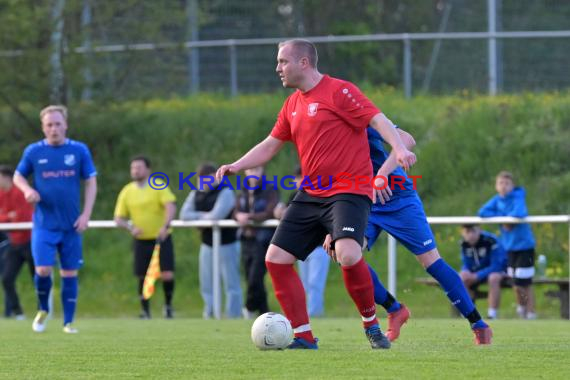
(191, 348)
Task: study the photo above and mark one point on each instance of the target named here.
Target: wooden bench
(561, 294)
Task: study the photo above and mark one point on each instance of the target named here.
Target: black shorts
(308, 219)
(143, 253)
(521, 266)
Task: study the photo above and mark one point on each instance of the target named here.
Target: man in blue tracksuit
(516, 239)
(484, 261)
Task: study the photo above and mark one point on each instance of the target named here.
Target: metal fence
(217, 226)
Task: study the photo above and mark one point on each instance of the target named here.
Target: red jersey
(328, 126)
(14, 208)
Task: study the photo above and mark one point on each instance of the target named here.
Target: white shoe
(20, 317)
(40, 321)
(69, 329)
(531, 316)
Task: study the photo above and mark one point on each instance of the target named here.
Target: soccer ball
(271, 331)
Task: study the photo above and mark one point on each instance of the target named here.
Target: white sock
(521, 311)
(492, 313)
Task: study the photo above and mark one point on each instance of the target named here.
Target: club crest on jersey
(69, 159)
(312, 111)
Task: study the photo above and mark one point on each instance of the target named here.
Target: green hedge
(462, 142)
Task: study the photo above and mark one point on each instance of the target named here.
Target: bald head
(302, 49)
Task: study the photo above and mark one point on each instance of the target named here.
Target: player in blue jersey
(399, 211)
(58, 165)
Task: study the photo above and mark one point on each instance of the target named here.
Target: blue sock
(43, 287)
(69, 290)
(381, 295)
(455, 291)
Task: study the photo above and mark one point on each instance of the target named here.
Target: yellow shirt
(145, 207)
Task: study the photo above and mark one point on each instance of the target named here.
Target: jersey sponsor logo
(293, 113)
(69, 159)
(350, 229)
(42, 161)
(58, 174)
(428, 242)
(312, 111)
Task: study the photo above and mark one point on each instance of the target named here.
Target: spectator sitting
(484, 260)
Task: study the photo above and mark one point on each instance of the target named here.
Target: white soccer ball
(271, 331)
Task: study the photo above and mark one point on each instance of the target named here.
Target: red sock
(358, 282)
(291, 296)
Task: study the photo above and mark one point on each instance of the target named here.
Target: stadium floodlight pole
(216, 288)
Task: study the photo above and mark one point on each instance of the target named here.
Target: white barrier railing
(217, 225)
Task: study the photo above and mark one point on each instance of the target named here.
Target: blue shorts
(46, 243)
(403, 218)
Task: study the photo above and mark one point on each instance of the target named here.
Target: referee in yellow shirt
(146, 213)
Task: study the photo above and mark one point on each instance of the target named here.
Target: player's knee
(68, 273)
(495, 278)
(348, 251)
(43, 271)
(167, 276)
(428, 258)
(463, 276)
(278, 255)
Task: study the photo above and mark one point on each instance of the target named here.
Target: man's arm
(497, 260)
(391, 162)
(386, 128)
(30, 193)
(188, 210)
(224, 204)
(90, 195)
(489, 209)
(257, 156)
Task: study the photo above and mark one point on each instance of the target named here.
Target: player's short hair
(6, 171)
(507, 175)
(54, 108)
(142, 158)
(206, 168)
(303, 48)
(471, 226)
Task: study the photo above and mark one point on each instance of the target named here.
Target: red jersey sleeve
(355, 107)
(282, 128)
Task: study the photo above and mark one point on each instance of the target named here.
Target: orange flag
(152, 273)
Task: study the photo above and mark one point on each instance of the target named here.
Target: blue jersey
(485, 257)
(520, 236)
(57, 172)
(379, 155)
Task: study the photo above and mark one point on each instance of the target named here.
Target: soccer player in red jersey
(326, 118)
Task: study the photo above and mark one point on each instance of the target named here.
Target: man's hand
(81, 223)
(384, 194)
(327, 245)
(32, 196)
(163, 233)
(226, 170)
(405, 158)
(508, 227)
(279, 210)
(242, 218)
(135, 231)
